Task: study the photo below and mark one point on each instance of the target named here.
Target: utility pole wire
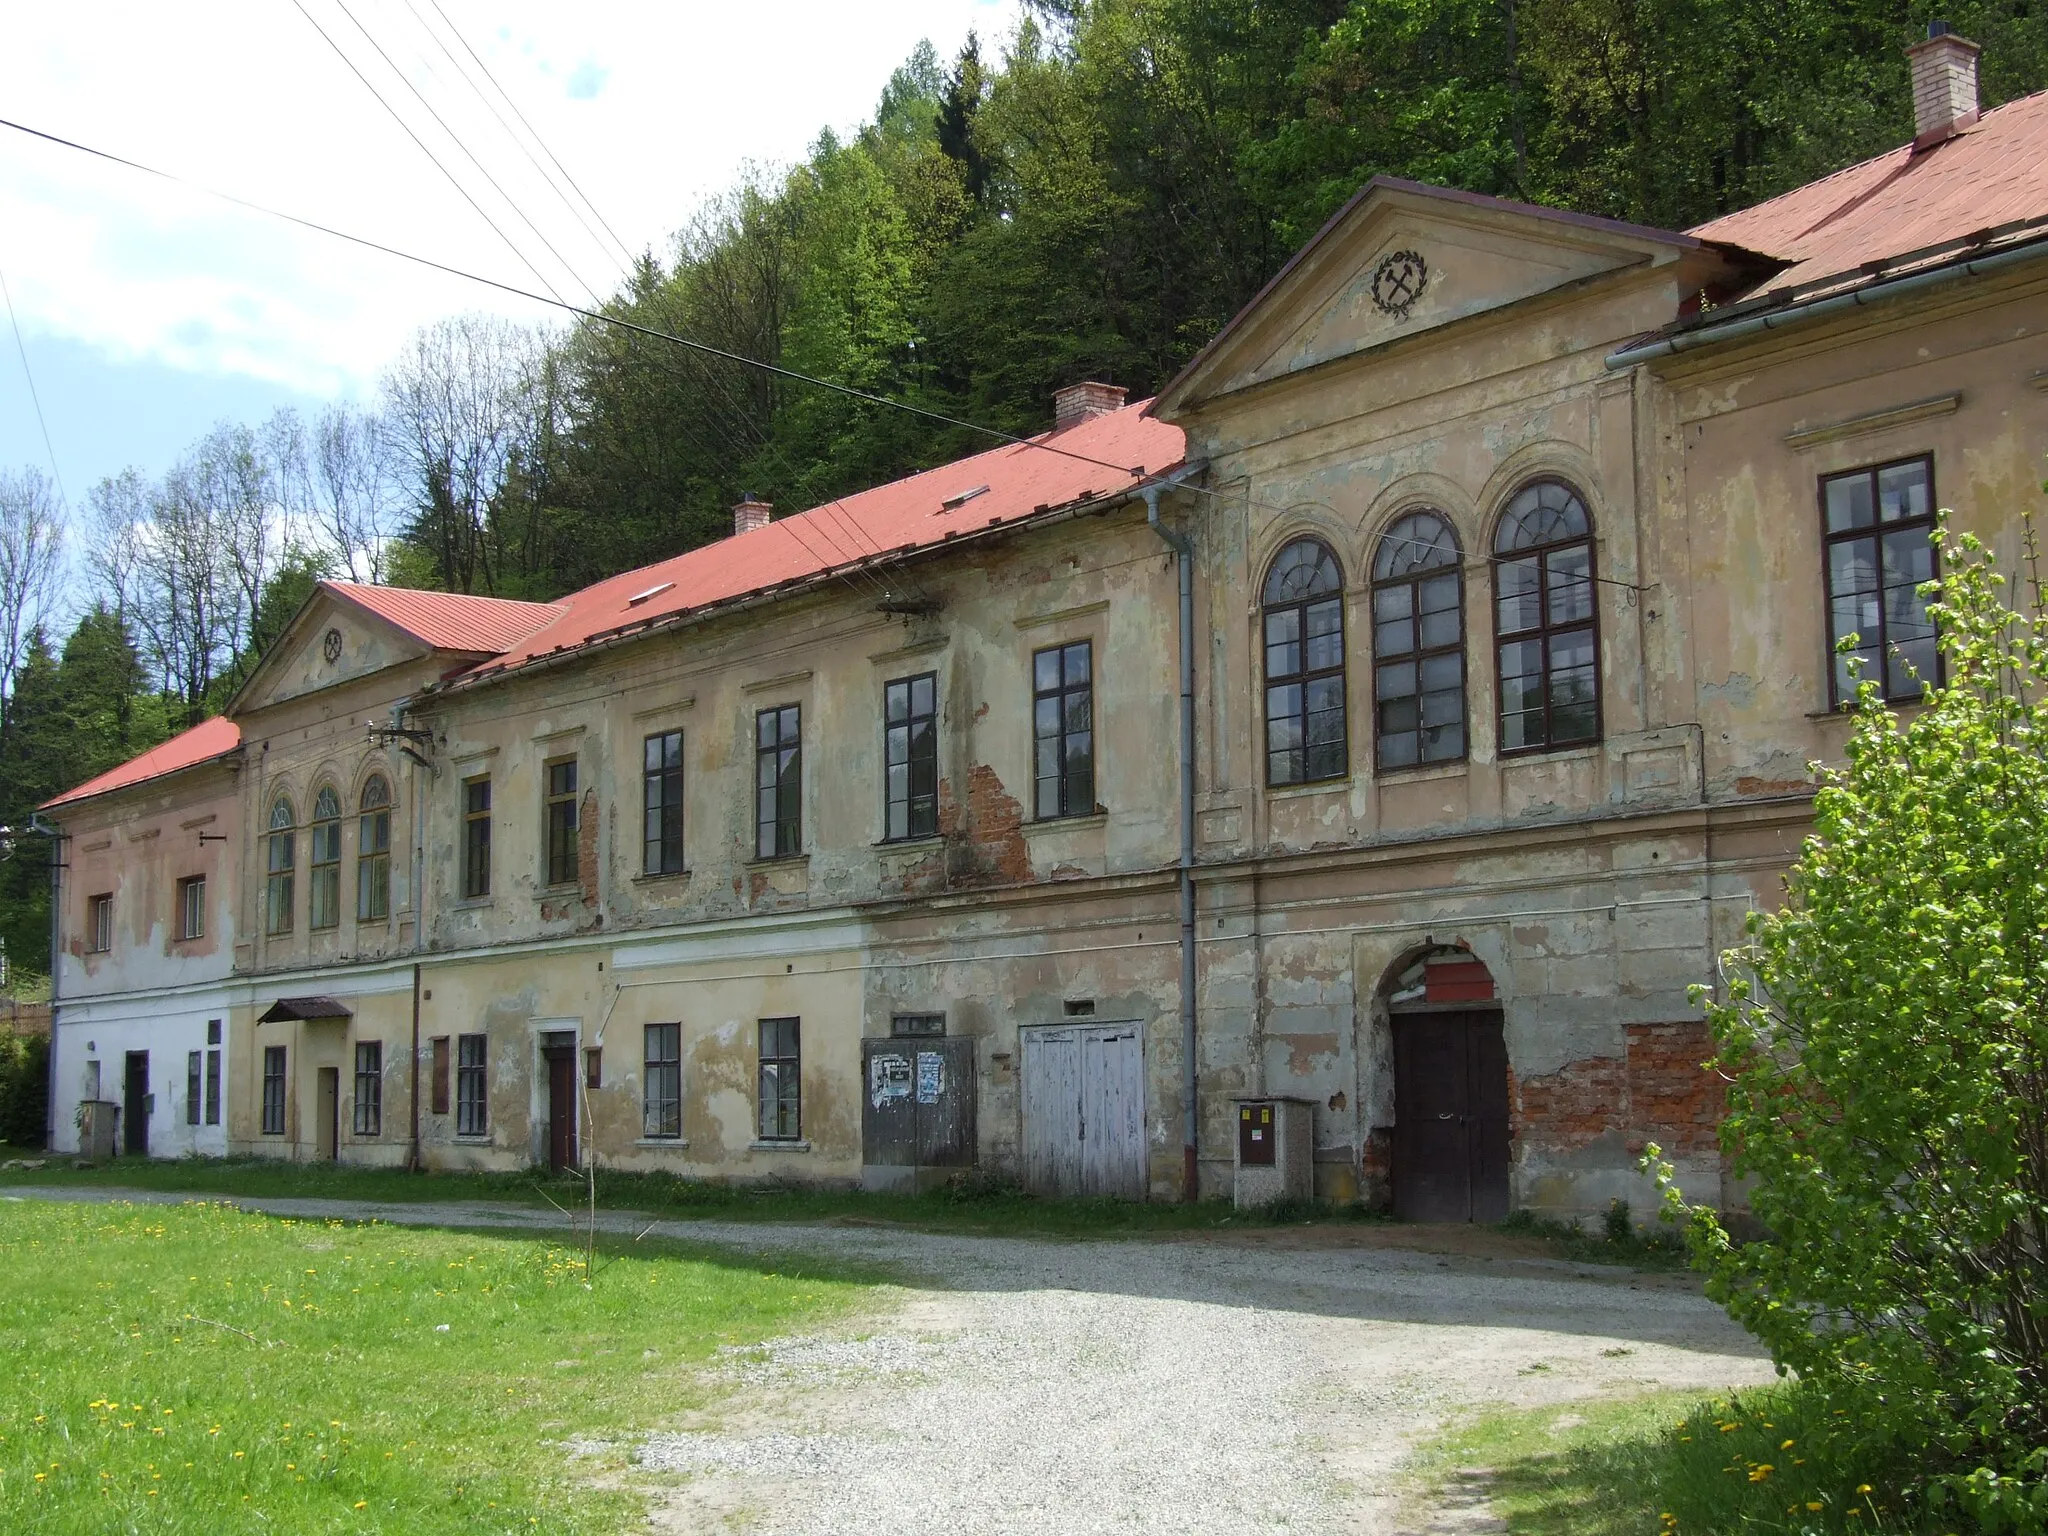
(35, 398)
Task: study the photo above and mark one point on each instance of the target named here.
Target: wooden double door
(1450, 1116)
(1084, 1110)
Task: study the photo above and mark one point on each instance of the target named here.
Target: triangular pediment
(330, 641)
(1399, 261)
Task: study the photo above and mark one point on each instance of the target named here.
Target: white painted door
(1084, 1110)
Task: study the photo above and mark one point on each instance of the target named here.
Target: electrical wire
(34, 397)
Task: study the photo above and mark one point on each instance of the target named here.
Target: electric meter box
(1275, 1157)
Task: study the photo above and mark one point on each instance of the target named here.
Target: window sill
(1577, 749)
(780, 858)
(469, 903)
(1063, 823)
(663, 1143)
(1411, 773)
(663, 877)
(472, 1140)
(779, 1146)
(1306, 791)
(911, 844)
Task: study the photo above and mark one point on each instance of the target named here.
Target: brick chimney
(1078, 402)
(1944, 85)
(752, 513)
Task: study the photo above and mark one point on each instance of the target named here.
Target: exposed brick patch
(1571, 1108)
(986, 844)
(586, 848)
(1656, 1091)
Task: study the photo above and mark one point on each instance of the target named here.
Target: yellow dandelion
(1813, 1505)
(1761, 1472)
(1788, 1445)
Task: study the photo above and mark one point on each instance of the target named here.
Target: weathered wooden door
(918, 1111)
(1450, 1117)
(1084, 1110)
(135, 1105)
(327, 1115)
(561, 1061)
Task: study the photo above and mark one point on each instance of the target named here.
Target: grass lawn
(197, 1369)
(1669, 1464)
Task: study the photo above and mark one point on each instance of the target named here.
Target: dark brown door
(327, 1115)
(561, 1107)
(1450, 1117)
(135, 1105)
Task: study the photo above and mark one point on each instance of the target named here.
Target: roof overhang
(309, 1009)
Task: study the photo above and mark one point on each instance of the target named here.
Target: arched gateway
(1450, 1090)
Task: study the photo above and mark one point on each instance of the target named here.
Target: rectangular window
(561, 821)
(1063, 726)
(593, 1066)
(213, 1080)
(192, 907)
(99, 924)
(781, 1095)
(369, 1117)
(476, 838)
(1876, 527)
(273, 1090)
(439, 1075)
(910, 751)
(662, 780)
(778, 782)
(195, 1062)
(917, 1026)
(662, 1087)
(471, 1114)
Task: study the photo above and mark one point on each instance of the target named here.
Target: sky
(149, 311)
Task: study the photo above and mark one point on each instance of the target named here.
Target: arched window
(1547, 632)
(1304, 601)
(323, 863)
(373, 853)
(281, 859)
(1418, 644)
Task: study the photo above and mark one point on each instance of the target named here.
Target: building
(1405, 708)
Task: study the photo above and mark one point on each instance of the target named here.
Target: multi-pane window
(273, 1090)
(99, 924)
(281, 858)
(1546, 628)
(778, 782)
(1418, 644)
(662, 1084)
(369, 1115)
(661, 778)
(476, 838)
(1304, 627)
(373, 852)
(213, 1072)
(1876, 525)
(192, 907)
(781, 1069)
(323, 862)
(561, 821)
(471, 1100)
(917, 1025)
(195, 1065)
(910, 751)
(1063, 730)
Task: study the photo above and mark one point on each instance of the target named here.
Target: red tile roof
(1101, 456)
(1990, 176)
(205, 741)
(450, 621)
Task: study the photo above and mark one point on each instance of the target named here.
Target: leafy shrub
(24, 1089)
(1885, 1038)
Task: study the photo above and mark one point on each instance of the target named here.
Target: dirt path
(1193, 1385)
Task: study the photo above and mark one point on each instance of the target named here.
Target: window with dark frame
(1303, 599)
(1418, 644)
(323, 862)
(369, 1115)
(661, 778)
(281, 858)
(781, 1074)
(438, 1075)
(192, 907)
(1547, 634)
(373, 852)
(1876, 527)
(476, 838)
(910, 755)
(778, 782)
(1063, 730)
(593, 1067)
(213, 1072)
(273, 1090)
(917, 1026)
(661, 1085)
(99, 924)
(472, 1116)
(195, 1065)
(561, 821)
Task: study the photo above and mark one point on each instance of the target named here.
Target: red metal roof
(1098, 457)
(1989, 176)
(450, 621)
(207, 740)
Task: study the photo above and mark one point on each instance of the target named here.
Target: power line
(35, 398)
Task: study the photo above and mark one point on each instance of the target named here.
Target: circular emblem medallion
(1398, 281)
(331, 646)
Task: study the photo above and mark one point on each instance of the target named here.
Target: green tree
(1885, 1041)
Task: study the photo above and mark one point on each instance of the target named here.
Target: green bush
(24, 1089)
(1885, 1039)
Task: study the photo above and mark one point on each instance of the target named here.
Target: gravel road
(1258, 1382)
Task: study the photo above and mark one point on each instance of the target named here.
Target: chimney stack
(1944, 85)
(752, 513)
(1079, 402)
